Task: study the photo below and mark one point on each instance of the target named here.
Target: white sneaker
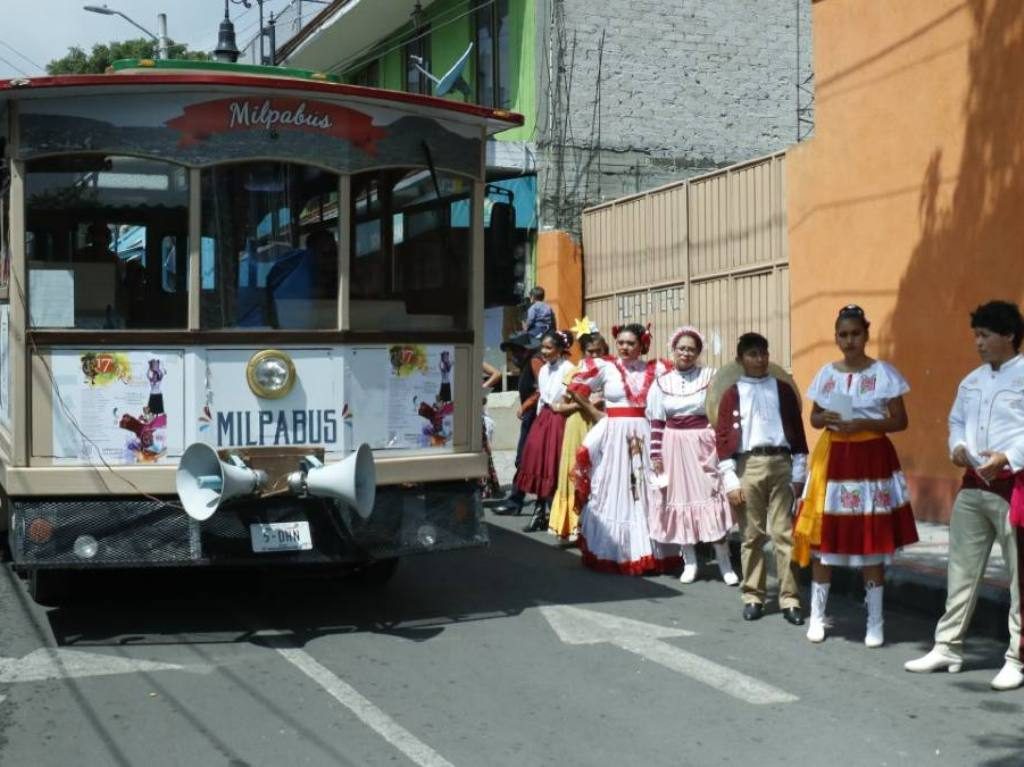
(689, 574)
(730, 578)
(936, 660)
(1010, 677)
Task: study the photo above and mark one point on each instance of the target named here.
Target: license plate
(281, 536)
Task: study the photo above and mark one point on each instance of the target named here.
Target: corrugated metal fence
(710, 251)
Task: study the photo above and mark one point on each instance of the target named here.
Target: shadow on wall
(970, 249)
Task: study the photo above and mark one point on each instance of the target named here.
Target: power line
(344, 67)
(14, 66)
(21, 55)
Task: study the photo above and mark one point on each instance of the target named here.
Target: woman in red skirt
(538, 469)
(855, 511)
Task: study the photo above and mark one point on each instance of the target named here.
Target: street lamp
(162, 42)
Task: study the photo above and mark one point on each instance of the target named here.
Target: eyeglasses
(851, 310)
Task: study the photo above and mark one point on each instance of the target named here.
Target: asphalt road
(510, 655)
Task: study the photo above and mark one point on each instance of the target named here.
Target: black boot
(539, 520)
(511, 506)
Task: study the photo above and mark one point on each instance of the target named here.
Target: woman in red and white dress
(855, 510)
(613, 466)
(693, 506)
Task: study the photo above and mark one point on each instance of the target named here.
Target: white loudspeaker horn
(204, 481)
(352, 480)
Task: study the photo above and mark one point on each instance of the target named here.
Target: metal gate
(710, 251)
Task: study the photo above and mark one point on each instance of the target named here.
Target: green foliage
(78, 62)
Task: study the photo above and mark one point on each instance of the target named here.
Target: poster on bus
(400, 397)
(117, 407)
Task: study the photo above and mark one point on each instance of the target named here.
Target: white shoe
(816, 623)
(689, 574)
(936, 660)
(1010, 677)
(816, 630)
(730, 578)
(874, 636)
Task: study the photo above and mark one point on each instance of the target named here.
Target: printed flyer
(401, 397)
(110, 406)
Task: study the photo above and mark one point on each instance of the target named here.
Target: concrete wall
(685, 86)
(908, 200)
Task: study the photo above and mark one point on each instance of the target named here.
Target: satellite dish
(451, 79)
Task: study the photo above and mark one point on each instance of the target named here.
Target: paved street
(508, 655)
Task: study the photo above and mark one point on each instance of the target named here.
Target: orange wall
(908, 199)
(560, 273)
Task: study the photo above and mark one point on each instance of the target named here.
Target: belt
(626, 412)
(687, 422)
(768, 450)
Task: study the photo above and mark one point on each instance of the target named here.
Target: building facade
(907, 200)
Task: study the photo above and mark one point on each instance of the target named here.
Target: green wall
(449, 36)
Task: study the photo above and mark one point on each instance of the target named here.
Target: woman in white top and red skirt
(692, 507)
(613, 466)
(855, 511)
(538, 469)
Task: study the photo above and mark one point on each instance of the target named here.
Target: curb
(917, 588)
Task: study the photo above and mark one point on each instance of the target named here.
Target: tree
(78, 62)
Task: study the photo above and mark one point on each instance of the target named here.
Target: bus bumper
(75, 533)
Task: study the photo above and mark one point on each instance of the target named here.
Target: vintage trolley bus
(217, 282)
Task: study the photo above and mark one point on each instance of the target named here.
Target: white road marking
(399, 737)
(55, 663)
(575, 625)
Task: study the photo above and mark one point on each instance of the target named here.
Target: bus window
(95, 227)
(270, 247)
(409, 263)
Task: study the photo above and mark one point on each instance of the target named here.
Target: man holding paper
(986, 439)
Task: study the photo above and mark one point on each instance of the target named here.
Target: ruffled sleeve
(589, 376)
(891, 383)
(822, 386)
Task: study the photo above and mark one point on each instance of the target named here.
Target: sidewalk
(916, 581)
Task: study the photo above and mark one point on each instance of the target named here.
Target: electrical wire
(369, 53)
(14, 66)
(21, 55)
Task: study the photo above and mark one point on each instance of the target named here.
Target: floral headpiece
(686, 330)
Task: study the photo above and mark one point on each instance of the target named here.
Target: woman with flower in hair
(538, 470)
(613, 466)
(855, 510)
(564, 520)
(693, 506)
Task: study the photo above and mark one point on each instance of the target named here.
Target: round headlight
(271, 374)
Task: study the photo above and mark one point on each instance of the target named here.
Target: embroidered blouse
(551, 382)
(676, 393)
(625, 384)
(870, 389)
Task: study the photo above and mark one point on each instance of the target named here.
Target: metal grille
(127, 532)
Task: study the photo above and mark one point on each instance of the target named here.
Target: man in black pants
(523, 348)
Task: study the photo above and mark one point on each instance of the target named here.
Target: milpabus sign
(198, 122)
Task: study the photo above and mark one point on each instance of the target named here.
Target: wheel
(377, 572)
(48, 587)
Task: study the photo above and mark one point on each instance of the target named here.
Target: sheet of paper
(52, 298)
(842, 404)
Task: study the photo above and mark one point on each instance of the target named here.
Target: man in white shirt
(986, 439)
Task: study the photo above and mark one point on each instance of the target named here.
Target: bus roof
(142, 75)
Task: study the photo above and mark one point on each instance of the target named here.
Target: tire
(49, 588)
(377, 573)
